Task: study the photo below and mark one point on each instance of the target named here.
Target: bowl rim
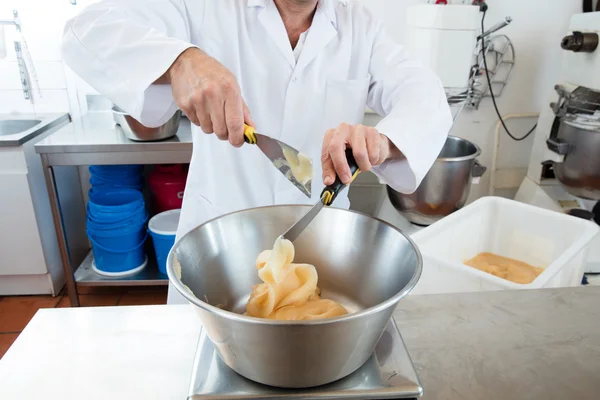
(473, 156)
(391, 302)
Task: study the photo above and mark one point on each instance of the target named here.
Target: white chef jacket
(120, 47)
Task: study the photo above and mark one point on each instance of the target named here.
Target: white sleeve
(120, 47)
(418, 117)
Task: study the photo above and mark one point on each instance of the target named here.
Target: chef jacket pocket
(345, 101)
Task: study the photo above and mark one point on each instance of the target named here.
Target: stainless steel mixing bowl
(365, 264)
(134, 130)
(446, 186)
(579, 141)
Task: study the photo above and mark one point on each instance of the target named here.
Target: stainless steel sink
(10, 127)
(18, 129)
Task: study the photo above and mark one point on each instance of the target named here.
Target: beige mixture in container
(505, 268)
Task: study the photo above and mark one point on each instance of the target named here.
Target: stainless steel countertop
(96, 139)
(511, 345)
(530, 344)
(47, 121)
(97, 132)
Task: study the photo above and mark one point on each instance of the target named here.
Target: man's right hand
(208, 93)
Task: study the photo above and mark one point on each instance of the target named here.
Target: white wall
(538, 26)
(536, 31)
(42, 22)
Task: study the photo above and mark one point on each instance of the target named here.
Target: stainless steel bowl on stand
(578, 141)
(365, 264)
(446, 186)
(134, 130)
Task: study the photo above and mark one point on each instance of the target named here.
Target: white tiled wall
(42, 24)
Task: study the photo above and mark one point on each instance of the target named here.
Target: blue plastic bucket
(114, 258)
(116, 176)
(122, 236)
(118, 250)
(163, 227)
(112, 220)
(115, 199)
(119, 201)
(116, 227)
(102, 183)
(110, 171)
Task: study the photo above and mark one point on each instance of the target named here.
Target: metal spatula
(283, 157)
(328, 195)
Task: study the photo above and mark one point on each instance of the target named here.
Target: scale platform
(388, 374)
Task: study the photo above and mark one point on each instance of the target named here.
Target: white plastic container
(556, 242)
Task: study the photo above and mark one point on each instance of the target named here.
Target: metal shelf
(149, 276)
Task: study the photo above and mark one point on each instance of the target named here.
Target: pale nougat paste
(289, 291)
(300, 165)
(505, 268)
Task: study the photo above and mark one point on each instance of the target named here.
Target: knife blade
(295, 166)
(328, 195)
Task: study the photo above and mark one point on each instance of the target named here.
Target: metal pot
(445, 188)
(365, 264)
(578, 140)
(134, 130)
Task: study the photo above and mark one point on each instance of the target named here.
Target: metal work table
(516, 344)
(35, 124)
(95, 140)
(529, 344)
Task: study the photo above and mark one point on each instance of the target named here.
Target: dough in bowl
(289, 291)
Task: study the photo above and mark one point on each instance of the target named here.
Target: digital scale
(388, 374)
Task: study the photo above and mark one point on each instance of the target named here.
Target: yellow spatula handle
(249, 134)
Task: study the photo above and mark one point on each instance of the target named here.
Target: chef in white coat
(301, 71)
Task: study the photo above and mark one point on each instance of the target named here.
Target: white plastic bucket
(556, 242)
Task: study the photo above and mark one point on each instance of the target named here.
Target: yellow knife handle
(250, 134)
(330, 192)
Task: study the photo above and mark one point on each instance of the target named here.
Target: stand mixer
(564, 168)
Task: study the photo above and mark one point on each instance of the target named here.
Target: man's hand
(369, 148)
(209, 95)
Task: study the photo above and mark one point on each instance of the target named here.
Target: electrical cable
(489, 80)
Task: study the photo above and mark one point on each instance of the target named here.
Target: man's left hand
(369, 148)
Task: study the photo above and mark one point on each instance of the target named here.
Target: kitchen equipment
(445, 188)
(296, 167)
(388, 374)
(135, 131)
(563, 168)
(568, 135)
(326, 199)
(167, 183)
(577, 140)
(556, 242)
(444, 39)
(444, 36)
(366, 265)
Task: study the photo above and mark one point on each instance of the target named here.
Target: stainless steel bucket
(365, 264)
(445, 188)
(579, 142)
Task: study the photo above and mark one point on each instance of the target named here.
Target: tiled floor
(17, 311)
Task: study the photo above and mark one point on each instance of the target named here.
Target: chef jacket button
(294, 79)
